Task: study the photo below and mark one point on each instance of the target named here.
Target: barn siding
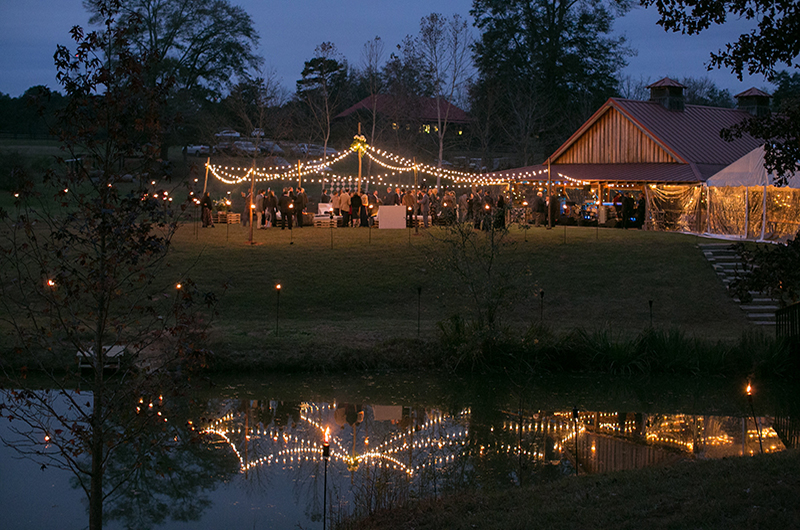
(613, 139)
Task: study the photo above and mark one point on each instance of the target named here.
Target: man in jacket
(286, 207)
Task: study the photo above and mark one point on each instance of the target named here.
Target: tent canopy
(749, 171)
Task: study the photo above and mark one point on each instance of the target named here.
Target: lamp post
(575, 420)
(541, 306)
(369, 224)
(277, 307)
(291, 214)
(326, 455)
(749, 391)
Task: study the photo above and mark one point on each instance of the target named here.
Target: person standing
(335, 201)
(344, 207)
(259, 208)
(538, 208)
(206, 205)
(410, 203)
(363, 210)
(463, 207)
(300, 202)
(271, 206)
(424, 207)
(628, 205)
(390, 197)
(285, 205)
(500, 212)
(246, 210)
(355, 208)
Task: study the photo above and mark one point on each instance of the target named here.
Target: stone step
(765, 307)
(761, 316)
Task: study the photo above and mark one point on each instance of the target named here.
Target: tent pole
(764, 213)
(746, 211)
(708, 208)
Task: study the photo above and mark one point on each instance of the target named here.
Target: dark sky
(291, 29)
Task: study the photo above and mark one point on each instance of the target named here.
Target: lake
(247, 452)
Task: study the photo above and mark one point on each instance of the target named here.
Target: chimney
(754, 101)
(668, 93)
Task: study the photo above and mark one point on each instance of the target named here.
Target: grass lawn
(365, 291)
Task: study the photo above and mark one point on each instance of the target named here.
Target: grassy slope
(758, 492)
(361, 292)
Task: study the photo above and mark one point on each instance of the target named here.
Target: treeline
(528, 74)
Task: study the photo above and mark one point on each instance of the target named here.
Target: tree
(769, 269)
(322, 87)
(444, 46)
(492, 275)
(199, 46)
(772, 43)
(552, 61)
(372, 57)
(81, 256)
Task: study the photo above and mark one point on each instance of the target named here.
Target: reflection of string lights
(386, 455)
(438, 442)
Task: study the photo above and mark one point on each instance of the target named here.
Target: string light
(394, 163)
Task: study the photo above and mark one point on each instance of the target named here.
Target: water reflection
(225, 460)
(385, 454)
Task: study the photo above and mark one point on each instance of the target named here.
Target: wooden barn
(662, 148)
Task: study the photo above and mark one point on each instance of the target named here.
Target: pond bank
(755, 492)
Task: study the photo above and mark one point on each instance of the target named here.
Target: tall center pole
(205, 183)
(549, 196)
(250, 206)
(416, 189)
(299, 176)
(359, 161)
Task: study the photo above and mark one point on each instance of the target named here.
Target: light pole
(326, 455)
(749, 391)
(277, 307)
(575, 420)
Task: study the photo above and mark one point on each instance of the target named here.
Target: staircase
(760, 310)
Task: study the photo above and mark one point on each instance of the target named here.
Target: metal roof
(694, 133)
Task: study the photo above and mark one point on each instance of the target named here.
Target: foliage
(80, 253)
(773, 270)
(323, 87)
(653, 351)
(551, 63)
(491, 274)
(772, 43)
(196, 46)
(31, 113)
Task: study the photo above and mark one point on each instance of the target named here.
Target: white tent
(743, 203)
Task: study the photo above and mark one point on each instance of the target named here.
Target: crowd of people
(483, 208)
(359, 209)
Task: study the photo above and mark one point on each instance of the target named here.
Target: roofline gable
(612, 103)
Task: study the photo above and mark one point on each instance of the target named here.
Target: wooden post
(549, 197)
(416, 185)
(205, 183)
(359, 160)
(250, 206)
(299, 176)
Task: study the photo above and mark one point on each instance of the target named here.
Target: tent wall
(675, 208)
(735, 212)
